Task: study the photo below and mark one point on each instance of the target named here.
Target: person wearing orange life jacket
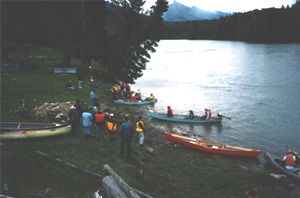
(140, 129)
(207, 115)
(111, 127)
(132, 98)
(100, 123)
(169, 112)
(290, 160)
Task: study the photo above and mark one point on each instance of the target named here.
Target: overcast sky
(231, 5)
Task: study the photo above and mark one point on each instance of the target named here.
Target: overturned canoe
(279, 164)
(131, 103)
(181, 118)
(23, 130)
(212, 147)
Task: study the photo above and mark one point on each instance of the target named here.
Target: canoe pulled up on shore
(182, 119)
(131, 103)
(279, 165)
(211, 147)
(26, 130)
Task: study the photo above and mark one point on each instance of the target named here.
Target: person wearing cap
(140, 129)
(87, 122)
(126, 132)
(99, 122)
(169, 112)
(74, 120)
(111, 127)
(289, 160)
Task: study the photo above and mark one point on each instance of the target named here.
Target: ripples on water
(255, 84)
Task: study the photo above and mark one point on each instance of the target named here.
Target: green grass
(167, 172)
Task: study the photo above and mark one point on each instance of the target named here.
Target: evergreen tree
(132, 35)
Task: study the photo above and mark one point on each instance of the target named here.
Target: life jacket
(138, 128)
(289, 160)
(208, 113)
(111, 126)
(170, 113)
(132, 98)
(99, 117)
(114, 89)
(152, 98)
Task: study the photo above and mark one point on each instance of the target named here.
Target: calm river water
(257, 85)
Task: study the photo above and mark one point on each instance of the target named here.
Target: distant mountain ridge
(180, 12)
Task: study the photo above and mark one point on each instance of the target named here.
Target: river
(257, 85)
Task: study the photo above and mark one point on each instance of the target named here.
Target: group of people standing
(106, 126)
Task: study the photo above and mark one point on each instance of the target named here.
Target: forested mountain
(268, 25)
(180, 12)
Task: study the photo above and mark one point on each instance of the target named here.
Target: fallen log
(111, 187)
(123, 185)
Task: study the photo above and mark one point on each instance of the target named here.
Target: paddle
(225, 117)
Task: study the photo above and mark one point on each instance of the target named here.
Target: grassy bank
(168, 171)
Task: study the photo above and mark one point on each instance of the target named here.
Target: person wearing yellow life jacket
(140, 129)
(111, 127)
(114, 91)
(290, 160)
(150, 98)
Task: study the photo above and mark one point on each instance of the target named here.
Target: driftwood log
(120, 183)
(111, 187)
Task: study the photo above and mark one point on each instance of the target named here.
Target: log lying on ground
(111, 187)
(121, 183)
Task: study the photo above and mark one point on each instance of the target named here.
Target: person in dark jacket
(74, 120)
(78, 107)
(126, 132)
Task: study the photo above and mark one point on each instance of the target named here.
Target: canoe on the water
(279, 164)
(23, 130)
(181, 118)
(131, 103)
(212, 147)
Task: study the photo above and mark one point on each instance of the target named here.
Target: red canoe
(211, 147)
